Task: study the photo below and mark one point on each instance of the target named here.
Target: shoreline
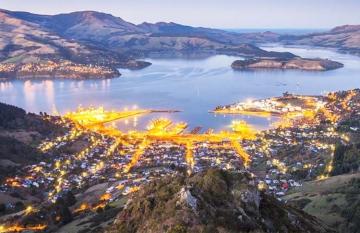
(57, 77)
(65, 70)
(298, 63)
(134, 65)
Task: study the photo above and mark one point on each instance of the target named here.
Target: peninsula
(91, 44)
(50, 69)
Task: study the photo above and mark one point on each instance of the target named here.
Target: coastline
(306, 64)
(65, 70)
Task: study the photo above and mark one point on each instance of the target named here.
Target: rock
(186, 197)
(163, 206)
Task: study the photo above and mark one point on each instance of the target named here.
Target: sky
(210, 13)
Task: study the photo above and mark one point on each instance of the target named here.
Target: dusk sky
(210, 13)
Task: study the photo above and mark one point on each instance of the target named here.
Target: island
(314, 64)
(135, 65)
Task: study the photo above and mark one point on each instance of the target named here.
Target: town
(94, 157)
(50, 69)
(302, 143)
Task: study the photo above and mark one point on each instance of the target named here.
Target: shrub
(178, 229)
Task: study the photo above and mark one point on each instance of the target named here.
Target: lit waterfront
(121, 159)
(192, 86)
(121, 162)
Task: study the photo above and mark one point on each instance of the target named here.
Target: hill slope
(93, 38)
(212, 201)
(117, 35)
(345, 38)
(25, 39)
(25, 43)
(19, 132)
(336, 201)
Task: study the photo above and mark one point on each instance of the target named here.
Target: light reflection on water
(192, 86)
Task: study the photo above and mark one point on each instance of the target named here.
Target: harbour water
(193, 86)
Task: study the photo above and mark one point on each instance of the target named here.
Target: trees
(2, 207)
(61, 212)
(346, 159)
(69, 198)
(9, 114)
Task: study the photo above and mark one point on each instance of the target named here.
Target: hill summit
(211, 201)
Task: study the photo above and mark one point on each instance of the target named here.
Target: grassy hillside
(20, 132)
(336, 201)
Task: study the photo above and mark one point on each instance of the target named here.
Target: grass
(328, 199)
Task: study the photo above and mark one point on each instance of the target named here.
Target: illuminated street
(121, 162)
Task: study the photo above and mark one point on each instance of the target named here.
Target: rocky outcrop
(295, 63)
(185, 197)
(212, 201)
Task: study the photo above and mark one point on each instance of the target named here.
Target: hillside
(19, 133)
(25, 44)
(78, 41)
(95, 37)
(108, 30)
(345, 38)
(334, 200)
(212, 201)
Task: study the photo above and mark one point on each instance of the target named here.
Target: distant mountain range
(101, 39)
(87, 33)
(344, 38)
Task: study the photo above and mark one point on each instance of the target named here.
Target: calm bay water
(192, 86)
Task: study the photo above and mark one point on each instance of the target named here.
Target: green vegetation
(336, 201)
(347, 156)
(346, 159)
(14, 118)
(20, 133)
(178, 229)
(14, 153)
(10, 115)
